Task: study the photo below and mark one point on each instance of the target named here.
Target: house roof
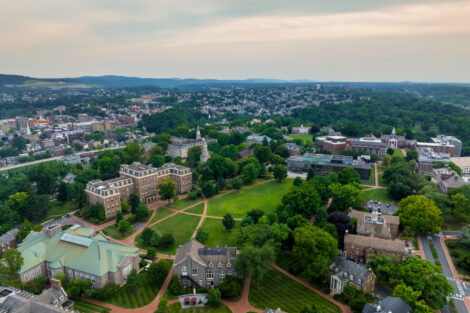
(388, 305)
(347, 270)
(217, 257)
(376, 243)
(93, 255)
(8, 236)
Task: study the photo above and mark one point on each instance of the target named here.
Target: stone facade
(198, 265)
(8, 240)
(136, 178)
(367, 145)
(179, 146)
(360, 248)
(446, 179)
(347, 273)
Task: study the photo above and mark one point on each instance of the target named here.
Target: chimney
(56, 283)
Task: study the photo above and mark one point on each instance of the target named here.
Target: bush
(202, 235)
(175, 287)
(237, 183)
(208, 189)
(158, 272)
(108, 291)
(298, 181)
(36, 285)
(213, 298)
(231, 287)
(167, 240)
(194, 194)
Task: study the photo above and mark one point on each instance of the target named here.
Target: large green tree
(194, 156)
(346, 196)
(420, 215)
(132, 152)
(460, 207)
(255, 261)
(280, 172)
(314, 248)
(303, 200)
(167, 190)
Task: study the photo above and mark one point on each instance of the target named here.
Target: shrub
(231, 287)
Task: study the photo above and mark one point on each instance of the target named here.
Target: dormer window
(345, 274)
(351, 277)
(184, 271)
(359, 281)
(229, 265)
(336, 270)
(219, 265)
(210, 264)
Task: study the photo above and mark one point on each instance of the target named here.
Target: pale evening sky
(342, 40)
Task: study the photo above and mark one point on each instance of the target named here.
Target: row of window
(32, 274)
(184, 271)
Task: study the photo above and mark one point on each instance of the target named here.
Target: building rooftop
(461, 161)
(375, 243)
(428, 155)
(348, 270)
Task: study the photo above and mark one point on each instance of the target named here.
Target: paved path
(330, 298)
(242, 305)
(201, 220)
(376, 185)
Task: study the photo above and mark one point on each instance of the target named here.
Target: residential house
(198, 265)
(446, 179)
(347, 273)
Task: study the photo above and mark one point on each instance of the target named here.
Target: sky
(334, 40)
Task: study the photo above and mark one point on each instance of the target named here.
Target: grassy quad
(218, 235)
(198, 209)
(161, 213)
(279, 291)
(381, 195)
(306, 138)
(129, 299)
(184, 203)
(264, 196)
(181, 226)
(86, 307)
(176, 308)
(57, 208)
(113, 232)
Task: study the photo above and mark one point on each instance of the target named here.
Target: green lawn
(304, 137)
(112, 231)
(397, 152)
(176, 308)
(378, 194)
(265, 197)
(86, 307)
(184, 203)
(279, 291)
(198, 209)
(218, 235)
(127, 298)
(181, 226)
(457, 252)
(59, 208)
(161, 213)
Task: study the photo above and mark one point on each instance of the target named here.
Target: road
(10, 167)
(460, 289)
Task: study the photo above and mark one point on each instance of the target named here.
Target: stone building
(360, 248)
(52, 300)
(198, 265)
(445, 140)
(388, 305)
(293, 148)
(347, 273)
(375, 224)
(78, 253)
(439, 147)
(446, 179)
(427, 157)
(8, 240)
(368, 145)
(179, 146)
(136, 178)
(323, 164)
(300, 130)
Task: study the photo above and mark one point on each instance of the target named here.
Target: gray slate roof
(8, 236)
(205, 255)
(389, 304)
(344, 269)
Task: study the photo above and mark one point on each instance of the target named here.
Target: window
(210, 275)
(126, 270)
(184, 271)
(194, 272)
(229, 265)
(359, 281)
(219, 265)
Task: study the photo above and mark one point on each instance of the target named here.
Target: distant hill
(13, 79)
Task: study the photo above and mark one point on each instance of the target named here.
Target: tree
(77, 287)
(390, 151)
(310, 174)
(167, 240)
(420, 215)
(133, 280)
(298, 181)
(461, 207)
(134, 201)
(202, 235)
(249, 173)
(167, 189)
(124, 206)
(119, 217)
(63, 192)
(124, 226)
(342, 223)
(282, 151)
(348, 175)
(155, 239)
(13, 261)
(255, 261)
(231, 287)
(314, 248)
(132, 152)
(157, 160)
(163, 305)
(142, 213)
(213, 298)
(208, 189)
(194, 156)
(158, 272)
(263, 153)
(237, 183)
(345, 196)
(303, 200)
(228, 222)
(280, 172)
(151, 253)
(147, 235)
(229, 151)
(410, 297)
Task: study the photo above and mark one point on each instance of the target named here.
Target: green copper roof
(95, 255)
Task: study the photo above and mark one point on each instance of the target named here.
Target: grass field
(279, 291)
(378, 194)
(398, 152)
(59, 208)
(198, 209)
(184, 203)
(176, 308)
(265, 197)
(127, 298)
(181, 226)
(218, 235)
(304, 137)
(112, 231)
(161, 213)
(86, 307)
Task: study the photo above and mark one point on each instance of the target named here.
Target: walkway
(242, 305)
(330, 298)
(376, 185)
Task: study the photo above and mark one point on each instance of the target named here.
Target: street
(460, 289)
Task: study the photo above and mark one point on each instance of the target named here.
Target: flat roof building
(428, 156)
